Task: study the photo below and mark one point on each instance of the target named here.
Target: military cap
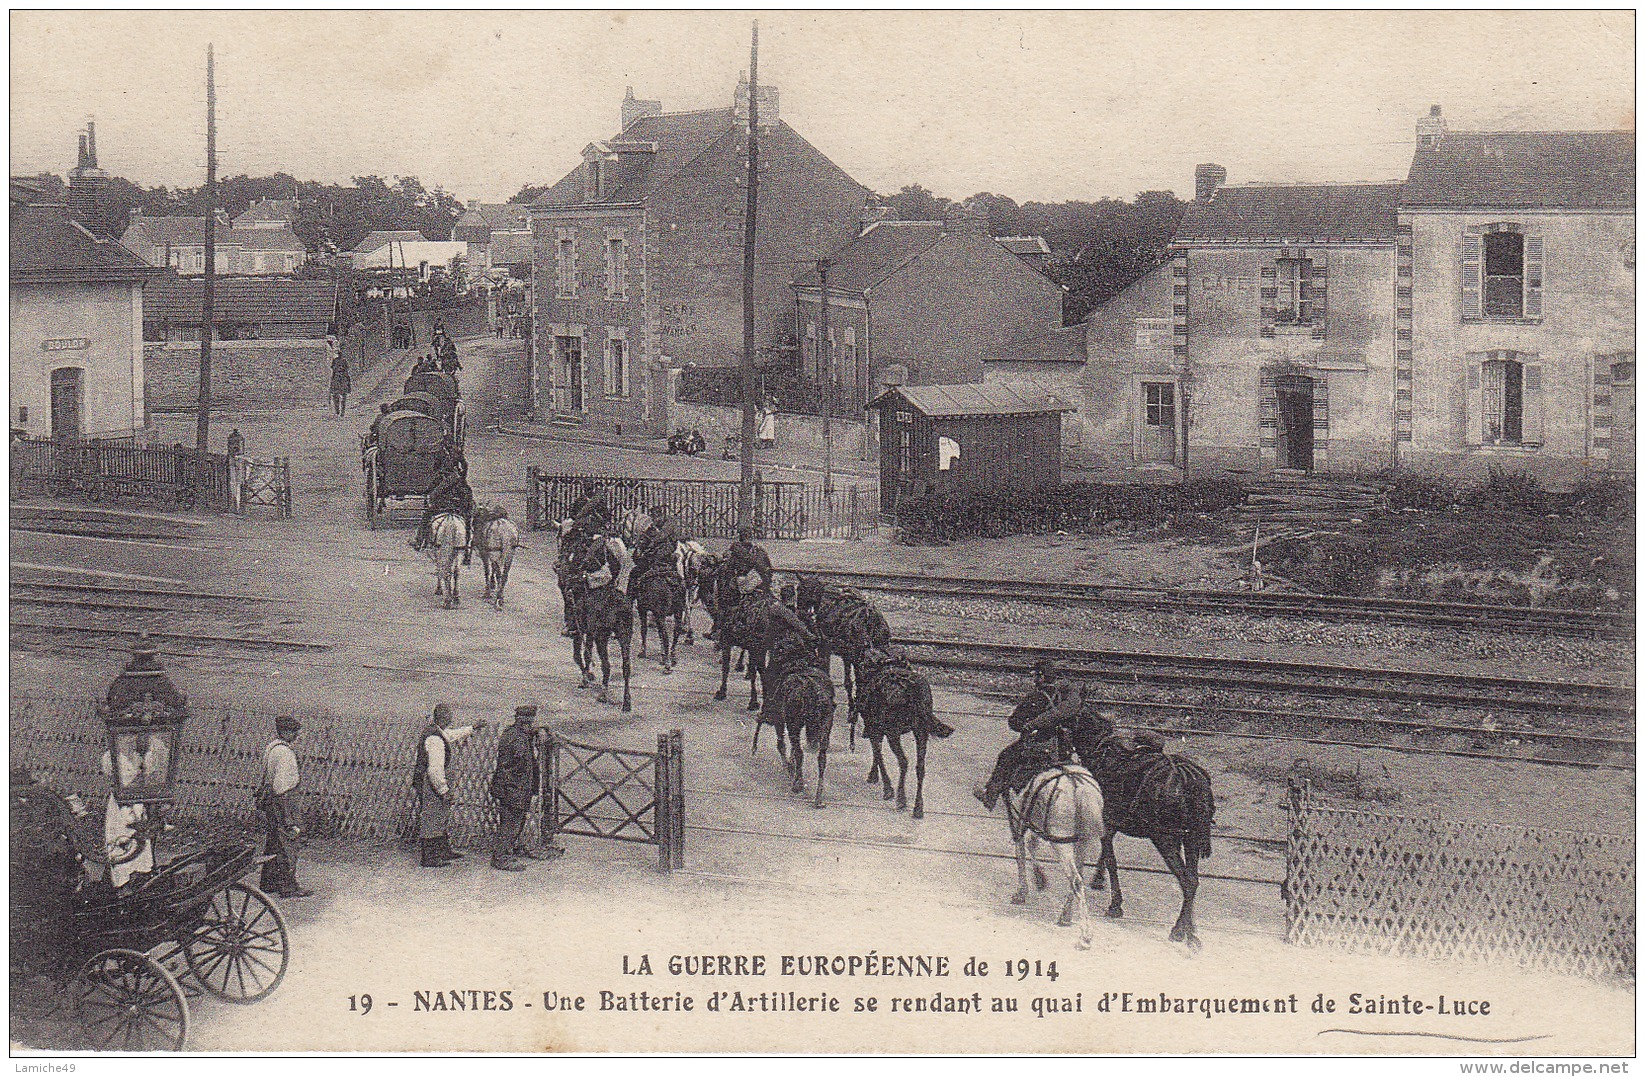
(526, 710)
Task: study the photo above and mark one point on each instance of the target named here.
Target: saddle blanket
(1046, 805)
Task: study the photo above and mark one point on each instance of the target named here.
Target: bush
(1326, 565)
(1070, 507)
(1609, 498)
(1506, 491)
(1423, 492)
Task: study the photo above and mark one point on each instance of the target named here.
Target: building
(637, 259)
(420, 258)
(926, 301)
(951, 439)
(1033, 250)
(1516, 304)
(498, 235)
(262, 248)
(269, 347)
(76, 329)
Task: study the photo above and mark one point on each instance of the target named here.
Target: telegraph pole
(202, 429)
(745, 493)
(825, 348)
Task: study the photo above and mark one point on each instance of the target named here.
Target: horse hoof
(628, 708)
(753, 704)
(668, 671)
(1020, 898)
(816, 804)
(1065, 920)
(719, 695)
(919, 813)
(1083, 944)
(1114, 912)
(1194, 945)
(1039, 879)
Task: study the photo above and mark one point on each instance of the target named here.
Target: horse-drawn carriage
(441, 388)
(131, 959)
(403, 457)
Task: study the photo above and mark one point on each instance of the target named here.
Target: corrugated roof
(876, 254)
(679, 138)
(240, 299)
(47, 247)
(1510, 169)
(1314, 212)
(954, 401)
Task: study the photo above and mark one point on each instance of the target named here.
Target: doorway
(67, 402)
(1159, 399)
(1294, 437)
(571, 361)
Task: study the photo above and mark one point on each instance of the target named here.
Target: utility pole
(745, 493)
(825, 348)
(202, 429)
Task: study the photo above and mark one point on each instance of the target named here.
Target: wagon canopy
(437, 384)
(424, 403)
(410, 433)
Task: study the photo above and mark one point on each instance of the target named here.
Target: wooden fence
(707, 508)
(1557, 900)
(356, 775)
(104, 470)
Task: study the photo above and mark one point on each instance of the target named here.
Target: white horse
(689, 555)
(1062, 805)
(449, 534)
(497, 540)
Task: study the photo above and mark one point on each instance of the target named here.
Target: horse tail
(928, 713)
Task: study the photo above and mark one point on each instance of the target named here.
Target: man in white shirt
(434, 787)
(276, 798)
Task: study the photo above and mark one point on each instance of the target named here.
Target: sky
(1040, 106)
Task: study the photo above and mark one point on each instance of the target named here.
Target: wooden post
(676, 813)
(746, 495)
(662, 799)
(551, 791)
(202, 421)
(533, 513)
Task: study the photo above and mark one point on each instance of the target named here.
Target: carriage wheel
(239, 949)
(126, 1001)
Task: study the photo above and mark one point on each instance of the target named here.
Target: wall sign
(67, 344)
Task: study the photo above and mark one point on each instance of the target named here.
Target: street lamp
(144, 715)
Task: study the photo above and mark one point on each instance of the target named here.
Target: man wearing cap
(516, 779)
(433, 788)
(276, 798)
(1054, 702)
(744, 557)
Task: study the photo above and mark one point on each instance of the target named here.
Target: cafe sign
(67, 344)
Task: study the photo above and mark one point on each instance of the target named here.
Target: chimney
(84, 162)
(873, 212)
(1207, 178)
(86, 183)
(768, 104)
(91, 143)
(1431, 128)
(474, 205)
(964, 218)
(134, 214)
(635, 109)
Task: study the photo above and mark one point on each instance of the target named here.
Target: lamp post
(825, 350)
(143, 717)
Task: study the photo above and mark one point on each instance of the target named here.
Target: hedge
(1071, 507)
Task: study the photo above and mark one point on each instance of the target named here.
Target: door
(1294, 407)
(1159, 427)
(1622, 410)
(67, 400)
(571, 360)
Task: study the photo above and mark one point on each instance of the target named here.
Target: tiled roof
(886, 247)
(510, 248)
(376, 241)
(478, 224)
(1024, 244)
(268, 209)
(1315, 212)
(949, 401)
(267, 239)
(679, 138)
(1563, 169)
(240, 299)
(178, 231)
(46, 247)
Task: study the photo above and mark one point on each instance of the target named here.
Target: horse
(848, 625)
(802, 702)
(448, 535)
(747, 626)
(659, 600)
(893, 700)
(693, 558)
(604, 612)
(1062, 805)
(1149, 793)
(497, 538)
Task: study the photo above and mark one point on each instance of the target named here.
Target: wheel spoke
(217, 959)
(251, 956)
(240, 976)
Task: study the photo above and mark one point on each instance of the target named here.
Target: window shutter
(1533, 278)
(1317, 293)
(610, 388)
(610, 268)
(574, 253)
(1473, 258)
(1476, 404)
(1268, 295)
(1530, 416)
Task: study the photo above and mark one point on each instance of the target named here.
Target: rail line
(1612, 624)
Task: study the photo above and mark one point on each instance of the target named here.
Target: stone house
(266, 246)
(498, 235)
(637, 259)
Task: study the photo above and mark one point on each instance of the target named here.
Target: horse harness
(1044, 792)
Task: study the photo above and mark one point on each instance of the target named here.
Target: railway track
(1607, 624)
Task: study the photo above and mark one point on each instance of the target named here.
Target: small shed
(952, 438)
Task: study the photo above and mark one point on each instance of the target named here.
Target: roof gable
(1549, 169)
(376, 241)
(956, 401)
(1315, 212)
(47, 246)
(268, 211)
(876, 254)
(650, 151)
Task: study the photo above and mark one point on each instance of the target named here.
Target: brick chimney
(86, 181)
(1207, 178)
(1431, 128)
(635, 109)
(768, 104)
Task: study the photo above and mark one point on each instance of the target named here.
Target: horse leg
(1116, 908)
(877, 764)
(725, 665)
(742, 657)
(1187, 874)
(626, 641)
(756, 676)
(850, 711)
(1073, 859)
(796, 759)
(895, 740)
(920, 739)
(1021, 896)
(822, 765)
(885, 772)
(456, 599)
(673, 643)
(642, 631)
(602, 643)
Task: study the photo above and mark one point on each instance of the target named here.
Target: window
(616, 365)
(948, 453)
(903, 463)
(1160, 404)
(23, 414)
(153, 331)
(616, 265)
(1293, 304)
(1504, 402)
(1504, 275)
(565, 264)
(808, 347)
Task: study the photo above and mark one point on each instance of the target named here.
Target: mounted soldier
(657, 550)
(1044, 721)
(745, 557)
(450, 494)
(589, 513)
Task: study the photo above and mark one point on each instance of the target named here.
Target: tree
(915, 203)
(530, 193)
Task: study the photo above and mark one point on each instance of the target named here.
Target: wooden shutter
(575, 254)
(1316, 293)
(1533, 278)
(1530, 416)
(1269, 298)
(1475, 425)
(1322, 415)
(609, 384)
(1473, 269)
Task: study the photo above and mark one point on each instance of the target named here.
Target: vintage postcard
(976, 532)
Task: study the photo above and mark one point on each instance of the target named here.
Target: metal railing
(707, 508)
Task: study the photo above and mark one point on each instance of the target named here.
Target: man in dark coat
(656, 550)
(1039, 721)
(590, 513)
(744, 557)
(450, 494)
(516, 779)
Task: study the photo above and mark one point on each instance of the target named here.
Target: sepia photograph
(822, 532)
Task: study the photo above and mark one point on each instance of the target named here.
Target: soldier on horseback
(744, 557)
(1043, 720)
(589, 513)
(657, 550)
(792, 646)
(450, 494)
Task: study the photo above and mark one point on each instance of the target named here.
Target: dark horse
(597, 614)
(799, 700)
(848, 625)
(894, 700)
(660, 600)
(1149, 793)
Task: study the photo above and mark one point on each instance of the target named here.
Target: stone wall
(244, 374)
(799, 437)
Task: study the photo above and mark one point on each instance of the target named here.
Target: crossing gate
(1557, 900)
(707, 508)
(619, 794)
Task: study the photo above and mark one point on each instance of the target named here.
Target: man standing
(516, 779)
(340, 383)
(276, 798)
(433, 788)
